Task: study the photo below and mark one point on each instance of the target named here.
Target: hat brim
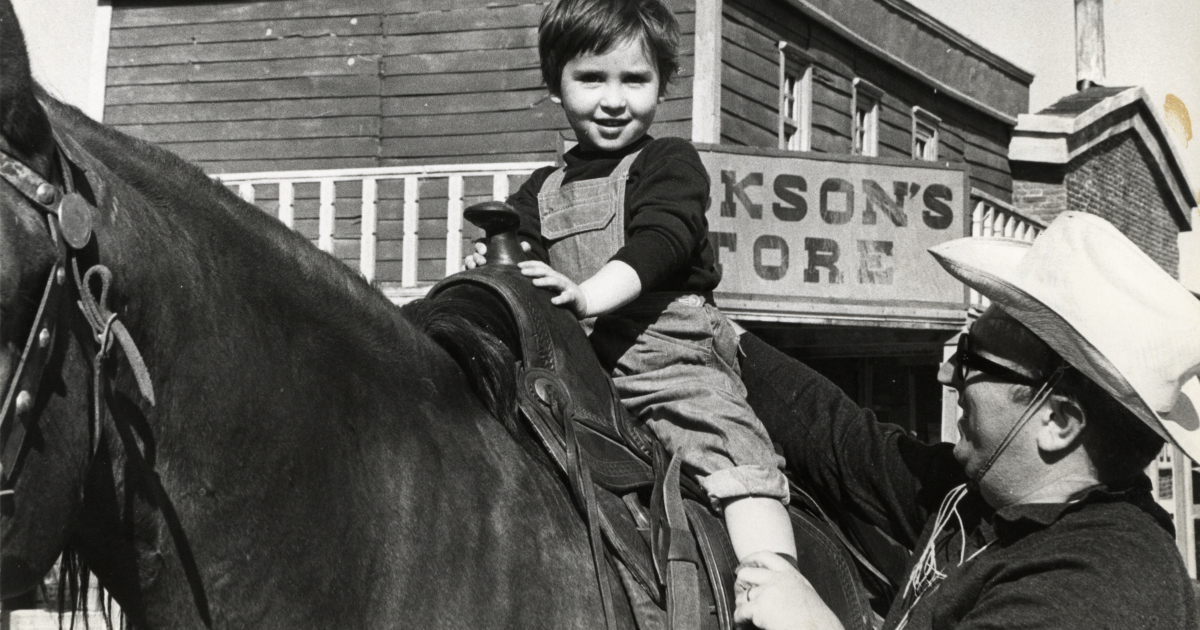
(989, 266)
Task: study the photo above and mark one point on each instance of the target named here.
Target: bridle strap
(22, 388)
(21, 393)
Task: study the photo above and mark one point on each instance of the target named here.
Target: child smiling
(619, 235)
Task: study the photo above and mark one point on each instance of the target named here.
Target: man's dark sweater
(1107, 560)
(666, 194)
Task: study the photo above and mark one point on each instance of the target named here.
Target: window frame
(922, 117)
(864, 136)
(796, 65)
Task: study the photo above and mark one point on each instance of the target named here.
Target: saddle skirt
(671, 551)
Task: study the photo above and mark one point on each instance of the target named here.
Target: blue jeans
(673, 358)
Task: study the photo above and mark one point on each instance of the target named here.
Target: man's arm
(872, 470)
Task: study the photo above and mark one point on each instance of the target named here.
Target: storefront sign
(837, 240)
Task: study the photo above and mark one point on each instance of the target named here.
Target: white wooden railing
(991, 217)
(283, 184)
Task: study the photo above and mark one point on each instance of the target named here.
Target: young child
(623, 229)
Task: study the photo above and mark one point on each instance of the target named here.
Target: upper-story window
(925, 132)
(795, 99)
(865, 103)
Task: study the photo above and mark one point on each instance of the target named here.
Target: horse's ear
(22, 121)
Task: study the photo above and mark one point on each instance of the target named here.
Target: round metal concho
(75, 217)
(24, 402)
(46, 194)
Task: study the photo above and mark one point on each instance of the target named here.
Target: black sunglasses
(966, 358)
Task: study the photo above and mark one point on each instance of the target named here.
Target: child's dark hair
(570, 28)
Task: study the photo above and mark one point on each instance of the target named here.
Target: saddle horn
(499, 221)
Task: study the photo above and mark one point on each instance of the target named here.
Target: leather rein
(69, 219)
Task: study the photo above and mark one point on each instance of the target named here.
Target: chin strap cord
(1039, 399)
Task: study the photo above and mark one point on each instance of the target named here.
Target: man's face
(987, 384)
(610, 99)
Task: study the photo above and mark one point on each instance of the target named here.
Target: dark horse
(310, 459)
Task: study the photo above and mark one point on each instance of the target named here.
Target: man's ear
(1062, 421)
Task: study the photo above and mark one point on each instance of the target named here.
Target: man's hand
(569, 294)
(772, 595)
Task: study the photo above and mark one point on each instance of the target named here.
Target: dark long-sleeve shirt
(667, 192)
(1107, 560)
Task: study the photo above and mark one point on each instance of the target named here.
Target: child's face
(610, 99)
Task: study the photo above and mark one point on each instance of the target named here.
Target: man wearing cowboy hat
(1040, 516)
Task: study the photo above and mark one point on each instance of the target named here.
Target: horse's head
(44, 436)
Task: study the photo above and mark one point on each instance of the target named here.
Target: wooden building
(369, 124)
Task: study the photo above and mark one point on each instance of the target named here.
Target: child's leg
(759, 524)
(677, 370)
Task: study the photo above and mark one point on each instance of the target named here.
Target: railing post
(1010, 224)
(500, 186)
(408, 265)
(454, 210)
(977, 213)
(287, 214)
(326, 216)
(246, 191)
(366, 253)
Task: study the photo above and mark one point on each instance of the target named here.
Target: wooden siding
(749, 106)
(297, 84)
(250, 86)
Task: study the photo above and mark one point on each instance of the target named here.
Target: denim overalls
(672, 355)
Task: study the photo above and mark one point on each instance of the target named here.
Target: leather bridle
(69, 219)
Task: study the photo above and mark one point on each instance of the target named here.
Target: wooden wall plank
(750, 87)
(473, 144)
(894, 141)
(300, 87)
(242, 51)
(251, 70)
(465, 19)
(263, 149)
(132, 14)
(497, 39)
(188, 112)
(753, 112)
(484, 122)
(279, 27)
(358, 126)
(750, 61)
(463, 61)
(673, 129)
(737, 131)
(462, 82)
(465, 103)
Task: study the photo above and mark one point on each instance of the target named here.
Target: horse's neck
(216, 289)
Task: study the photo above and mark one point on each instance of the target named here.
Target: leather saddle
(671, 552)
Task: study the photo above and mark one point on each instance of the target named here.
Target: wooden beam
(97, 79)
(706, 86)
(1181, 488)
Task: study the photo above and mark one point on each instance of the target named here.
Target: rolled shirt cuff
(745, 481)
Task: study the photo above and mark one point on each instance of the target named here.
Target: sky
(1151, 43)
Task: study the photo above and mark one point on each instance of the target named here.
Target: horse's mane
(452, 323)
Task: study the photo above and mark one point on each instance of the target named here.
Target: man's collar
(1020, 519)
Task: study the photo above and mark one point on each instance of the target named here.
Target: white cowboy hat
(1108, 309)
